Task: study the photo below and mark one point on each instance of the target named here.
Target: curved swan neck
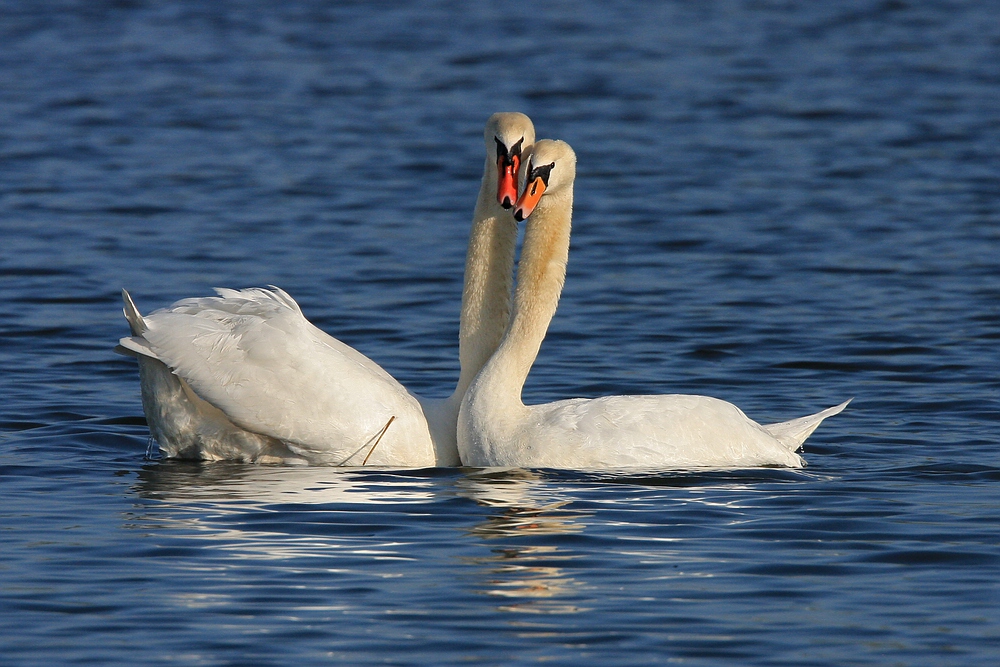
(486, 295)
(540, 276)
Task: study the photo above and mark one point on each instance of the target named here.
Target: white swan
(245, 376)
(669, 431)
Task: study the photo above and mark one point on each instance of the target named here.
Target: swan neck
(486, 294)
(540, 277)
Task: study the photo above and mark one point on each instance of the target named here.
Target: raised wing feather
(252, 354)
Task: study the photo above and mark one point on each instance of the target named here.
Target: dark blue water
(782, 204)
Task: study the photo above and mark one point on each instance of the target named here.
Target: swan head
(508, 135)
(549, 168)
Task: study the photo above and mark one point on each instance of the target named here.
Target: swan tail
(132, 314)
(136, 345)
(794, 432)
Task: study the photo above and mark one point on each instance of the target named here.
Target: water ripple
(783, 205)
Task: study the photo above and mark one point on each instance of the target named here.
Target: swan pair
(245, 376)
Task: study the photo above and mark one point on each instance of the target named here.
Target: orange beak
(528, 200)
(507, 179)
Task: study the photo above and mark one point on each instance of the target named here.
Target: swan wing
(253, 355)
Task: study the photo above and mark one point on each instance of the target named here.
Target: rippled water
(782, 204)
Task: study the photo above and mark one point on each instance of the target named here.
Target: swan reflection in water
(523, 503)
(528, 578)
(181, 482)
(369, 526)
(287, 512)
(540, 561)
(394, 531)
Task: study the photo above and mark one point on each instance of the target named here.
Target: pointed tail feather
(135, 321)
(794, 432)
(135, 346)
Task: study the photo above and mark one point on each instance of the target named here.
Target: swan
(245, 376)
(495, 428)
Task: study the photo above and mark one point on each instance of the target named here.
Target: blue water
(781, 204)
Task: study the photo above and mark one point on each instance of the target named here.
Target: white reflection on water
(524, 576)
(181, 483)
(521, 502)
(524, 538)
(231, 506)
(334, 519)
(527, 586)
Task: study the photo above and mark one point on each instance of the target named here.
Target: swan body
(663, 431)
(245, 376)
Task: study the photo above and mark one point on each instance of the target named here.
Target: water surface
(780, 204)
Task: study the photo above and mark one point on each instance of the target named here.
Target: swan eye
(515, 150)
(501, 150)
(510, 156)
(541, 172)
